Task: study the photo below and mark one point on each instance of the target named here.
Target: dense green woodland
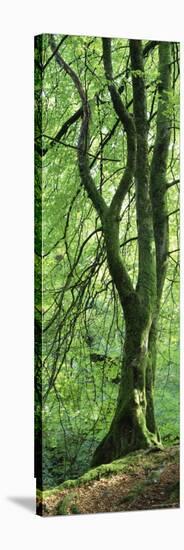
(106, 251)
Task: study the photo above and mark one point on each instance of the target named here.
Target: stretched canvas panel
(106, 274)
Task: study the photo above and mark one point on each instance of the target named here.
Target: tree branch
(171, 183)
(149, 47)
(159, 167)
(84, 169)
(117, 268)
(147, 273)
(54, 52)
(63, 130)
(128, 125)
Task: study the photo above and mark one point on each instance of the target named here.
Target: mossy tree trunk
(133, 426)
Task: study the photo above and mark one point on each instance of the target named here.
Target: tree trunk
(150, 378)
(133, 426)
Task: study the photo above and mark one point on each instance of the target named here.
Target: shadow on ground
(27, 503)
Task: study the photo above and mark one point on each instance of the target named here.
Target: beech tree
(131, 87)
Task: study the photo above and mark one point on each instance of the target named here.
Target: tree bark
(129, 429)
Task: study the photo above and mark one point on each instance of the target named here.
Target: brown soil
(152, 482)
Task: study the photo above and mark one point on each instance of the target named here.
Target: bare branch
(54, 52)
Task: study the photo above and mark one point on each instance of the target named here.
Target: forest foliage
(79, 352)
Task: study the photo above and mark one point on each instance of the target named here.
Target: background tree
(106, 245)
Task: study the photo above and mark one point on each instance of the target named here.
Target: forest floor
(143, 480)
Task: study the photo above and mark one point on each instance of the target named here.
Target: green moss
(128, 464)
(174, 492)
(63, 507)
(104, 470)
